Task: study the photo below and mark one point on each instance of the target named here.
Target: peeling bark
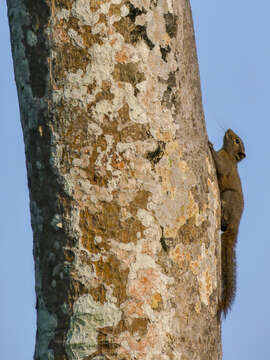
(124, 201)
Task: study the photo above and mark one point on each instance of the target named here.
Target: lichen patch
(88, 317)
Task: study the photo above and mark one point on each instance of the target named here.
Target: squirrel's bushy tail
(228, 257)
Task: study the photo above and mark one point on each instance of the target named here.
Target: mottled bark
(124, 201)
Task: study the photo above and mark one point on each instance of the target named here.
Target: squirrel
(232, 205)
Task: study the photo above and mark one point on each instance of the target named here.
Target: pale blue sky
(234, 56)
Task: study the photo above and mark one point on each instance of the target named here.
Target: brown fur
(232, 205)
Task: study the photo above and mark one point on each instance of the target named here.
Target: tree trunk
(123, 196)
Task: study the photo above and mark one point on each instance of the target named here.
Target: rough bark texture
(124, 201)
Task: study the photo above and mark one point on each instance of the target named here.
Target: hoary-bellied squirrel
(232, 204)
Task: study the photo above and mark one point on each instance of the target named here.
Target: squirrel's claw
(211, 146)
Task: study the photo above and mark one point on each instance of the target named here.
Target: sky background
(234, 56)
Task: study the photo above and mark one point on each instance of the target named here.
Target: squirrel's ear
(228, 133)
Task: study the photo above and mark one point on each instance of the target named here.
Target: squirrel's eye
(237, 141)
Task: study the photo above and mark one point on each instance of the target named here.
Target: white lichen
(88, 317)
(31, 38)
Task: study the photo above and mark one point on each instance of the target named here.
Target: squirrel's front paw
(211, 146)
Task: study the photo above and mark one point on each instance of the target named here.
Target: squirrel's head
(234, 145)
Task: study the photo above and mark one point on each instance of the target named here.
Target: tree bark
(123, 196)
